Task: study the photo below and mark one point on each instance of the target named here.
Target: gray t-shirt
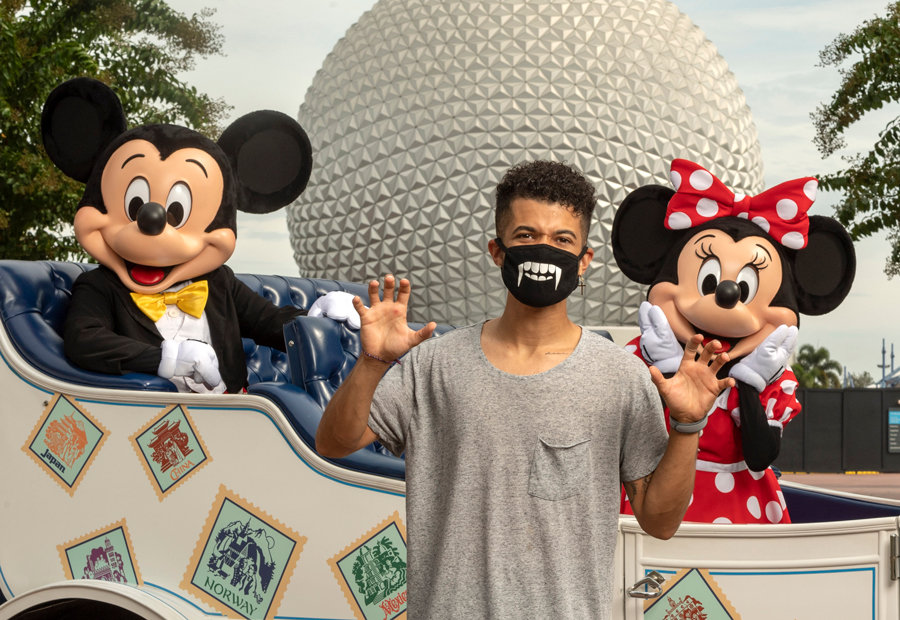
(513, 482)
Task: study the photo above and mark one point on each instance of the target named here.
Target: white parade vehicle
(123, 498)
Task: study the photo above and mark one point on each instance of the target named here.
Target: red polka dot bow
(780, 211)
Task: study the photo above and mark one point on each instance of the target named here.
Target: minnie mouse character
(740, 270)
(159, 213)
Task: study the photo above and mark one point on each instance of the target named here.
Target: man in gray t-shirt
(521, 510)
(519, 431)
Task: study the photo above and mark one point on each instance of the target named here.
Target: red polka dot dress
(725, 490)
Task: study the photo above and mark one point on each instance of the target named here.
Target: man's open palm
(384, 332)
(691, 392)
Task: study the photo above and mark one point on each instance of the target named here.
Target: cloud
(263, 246)
(273, 48)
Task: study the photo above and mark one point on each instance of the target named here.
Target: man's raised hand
(384, 332)
(690, 394)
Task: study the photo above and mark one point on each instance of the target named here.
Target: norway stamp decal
(105, 554)
(244, 559)
(65, 441)
(170, 449)
(372, 571)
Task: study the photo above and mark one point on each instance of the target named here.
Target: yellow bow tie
(190, 299)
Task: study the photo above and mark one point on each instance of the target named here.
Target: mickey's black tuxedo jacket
(106, 332)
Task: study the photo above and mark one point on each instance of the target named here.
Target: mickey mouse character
(740, 270)
(159, 213)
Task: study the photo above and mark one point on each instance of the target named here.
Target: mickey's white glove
(767, 361)
(189, 358)
(337, 306)
(659, 346)
(198, 386)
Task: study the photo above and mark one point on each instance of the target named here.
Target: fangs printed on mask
(540, 275)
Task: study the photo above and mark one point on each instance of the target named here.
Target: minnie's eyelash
(704, 252)
(759, 262)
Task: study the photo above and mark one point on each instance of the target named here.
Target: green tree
(862, 379)
(815, 368)
(137, 47)
(871, 182)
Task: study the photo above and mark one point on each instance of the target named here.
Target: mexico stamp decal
(170, 449)
(105, 554)
(243, 560)
(65, 441)
(372, 571)
(690, 594)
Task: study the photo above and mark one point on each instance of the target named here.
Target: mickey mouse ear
(824, 270)
(80, 118)
(271, 157)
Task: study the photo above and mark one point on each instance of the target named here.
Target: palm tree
(815, 368)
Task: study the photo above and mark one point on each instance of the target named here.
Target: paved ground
(876, 485)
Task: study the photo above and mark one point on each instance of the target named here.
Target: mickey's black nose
(151, 218)
(727, 294)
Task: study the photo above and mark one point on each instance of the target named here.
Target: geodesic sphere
(421, 108)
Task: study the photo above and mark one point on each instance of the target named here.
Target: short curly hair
(550, 182)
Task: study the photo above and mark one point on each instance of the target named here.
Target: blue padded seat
(34, 298)
(810, 506)
(266, 364)
(322, 353)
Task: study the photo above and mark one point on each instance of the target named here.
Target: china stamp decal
(244, 559)
(372, 571)
(65, 441)
(690, 594)
(105, 554)
(170, 449)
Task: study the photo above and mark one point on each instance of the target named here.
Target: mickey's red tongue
(725, 345)
(147, 276)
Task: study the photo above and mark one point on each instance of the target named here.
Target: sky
(273, 49)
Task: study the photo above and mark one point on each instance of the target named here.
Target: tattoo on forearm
(633, 488)
(636, 486)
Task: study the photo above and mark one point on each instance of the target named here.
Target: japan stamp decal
(170, 449)
(105, 554)
(690, 594)
(244, 559)
(372, 571)
(65, 441)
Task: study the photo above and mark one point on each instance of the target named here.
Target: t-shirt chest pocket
(559, 468)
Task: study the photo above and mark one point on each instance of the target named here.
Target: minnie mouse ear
(640, 240)
(271, 157)
(824, 270)
(80, 118)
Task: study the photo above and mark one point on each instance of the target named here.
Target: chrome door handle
(654, 581)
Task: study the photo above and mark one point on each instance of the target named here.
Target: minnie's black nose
(151, 218)
(728, 293)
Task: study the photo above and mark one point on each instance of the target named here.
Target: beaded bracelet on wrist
(375, 357)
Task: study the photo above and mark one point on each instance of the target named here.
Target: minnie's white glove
(767, 361)
(190, 358)
(659, 346)
(337, 306)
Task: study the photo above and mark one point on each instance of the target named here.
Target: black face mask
(539, 275)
